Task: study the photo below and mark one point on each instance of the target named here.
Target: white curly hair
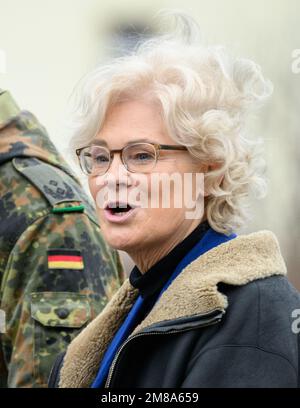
(205, 94)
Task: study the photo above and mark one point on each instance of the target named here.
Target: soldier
(56, 272)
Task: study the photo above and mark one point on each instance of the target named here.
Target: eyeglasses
(137, 157)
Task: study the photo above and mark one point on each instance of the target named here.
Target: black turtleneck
(152, 281)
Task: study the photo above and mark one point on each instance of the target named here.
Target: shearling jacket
(228, 320)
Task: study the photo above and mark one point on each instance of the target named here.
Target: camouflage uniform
(56, 272)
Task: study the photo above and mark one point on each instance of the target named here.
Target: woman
(203, 307)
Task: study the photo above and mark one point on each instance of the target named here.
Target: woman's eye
(142, 156)
(100, 159)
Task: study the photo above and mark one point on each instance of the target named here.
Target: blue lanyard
(210, 240)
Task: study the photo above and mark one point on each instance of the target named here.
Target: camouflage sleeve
(59, 276)
(56, 272)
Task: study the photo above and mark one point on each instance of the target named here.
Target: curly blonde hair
(205, 95)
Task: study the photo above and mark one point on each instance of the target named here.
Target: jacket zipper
(215, 319)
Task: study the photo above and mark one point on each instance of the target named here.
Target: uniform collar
(21, 135)
(8, 108)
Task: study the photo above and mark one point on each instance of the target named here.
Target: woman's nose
(117, 172)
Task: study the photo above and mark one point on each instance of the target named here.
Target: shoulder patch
(53, 183)
(64, 259)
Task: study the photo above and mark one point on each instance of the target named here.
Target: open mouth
(118, 209)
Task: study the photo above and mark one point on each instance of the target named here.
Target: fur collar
(194, 291)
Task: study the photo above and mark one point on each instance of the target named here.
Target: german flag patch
(65, 259)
